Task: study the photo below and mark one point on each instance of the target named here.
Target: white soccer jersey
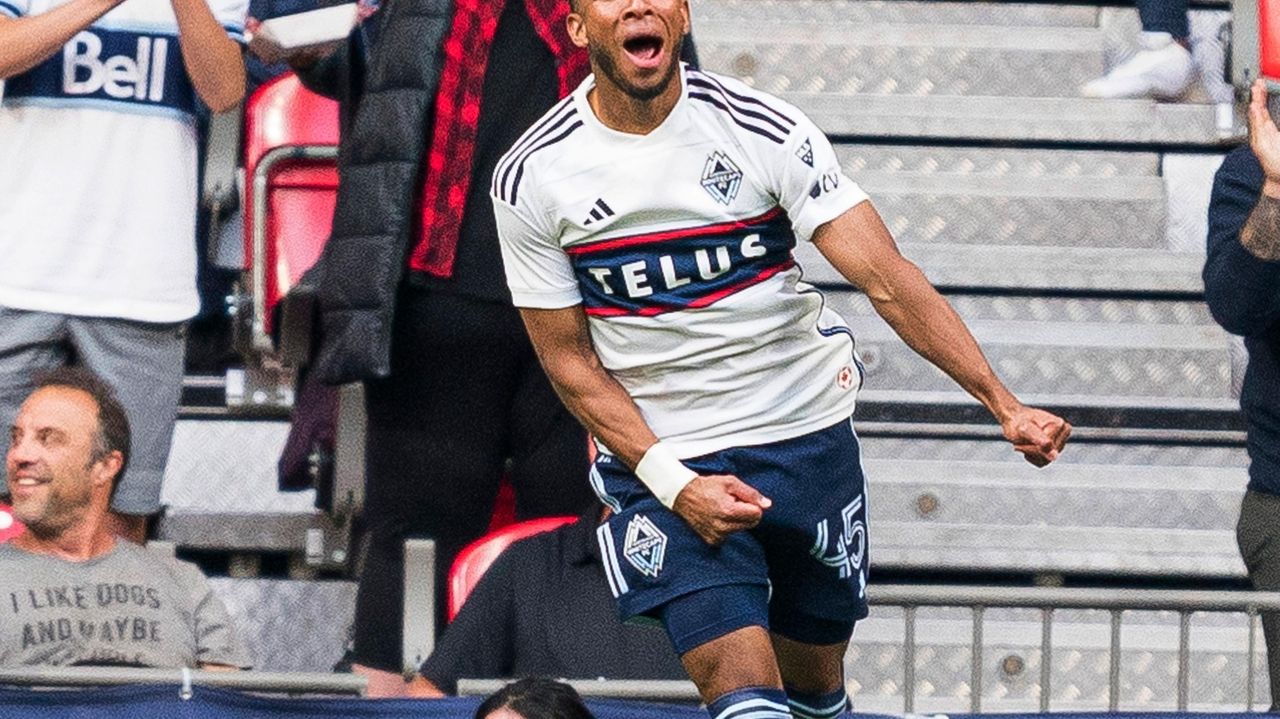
(678, 244)
(98, 168)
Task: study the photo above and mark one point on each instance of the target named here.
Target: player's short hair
(536, 698)
(113, 424)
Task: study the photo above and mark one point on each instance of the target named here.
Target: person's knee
(730, 663)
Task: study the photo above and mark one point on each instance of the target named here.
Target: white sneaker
(1162, 69)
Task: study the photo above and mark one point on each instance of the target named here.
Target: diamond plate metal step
(1016, 119)
(1004, 196)
(969, 71)
(1080, 661)
(1121, 352)
(972, 505)
(290, 625)
(904, 59)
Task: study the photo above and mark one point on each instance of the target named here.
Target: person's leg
(548, 446)
(142, 361)
(817, 547)
(1164, 16)
(1163, 67)
(813, 677)
(30, 343)
(1258, 535)
(435, 450)
(722, 636)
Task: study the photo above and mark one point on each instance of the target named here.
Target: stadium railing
(978, 599)
(253, 681)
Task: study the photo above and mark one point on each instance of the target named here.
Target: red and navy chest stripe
(650, 274)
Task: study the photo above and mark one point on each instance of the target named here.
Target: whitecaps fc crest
(721, 178)
(645, 546)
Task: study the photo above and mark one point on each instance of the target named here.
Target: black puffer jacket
(385, 110)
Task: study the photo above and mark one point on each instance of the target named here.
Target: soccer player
(647, 226)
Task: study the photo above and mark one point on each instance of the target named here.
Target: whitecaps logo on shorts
(645, 546)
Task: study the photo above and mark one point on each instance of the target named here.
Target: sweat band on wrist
(664, 475)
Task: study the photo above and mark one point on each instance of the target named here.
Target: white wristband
(664, 475)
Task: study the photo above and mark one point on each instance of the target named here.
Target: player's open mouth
(644, 50)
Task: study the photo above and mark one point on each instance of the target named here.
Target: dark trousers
(1258, 534)
(466, 399)
(1164, 16)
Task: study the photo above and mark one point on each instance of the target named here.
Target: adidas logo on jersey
(141, 77)
(599, 212)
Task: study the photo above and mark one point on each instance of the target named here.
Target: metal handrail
(1049, 599)
(259, 339)
(653, 690)
(253, 681)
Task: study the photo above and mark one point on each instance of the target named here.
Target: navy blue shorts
(801, 573)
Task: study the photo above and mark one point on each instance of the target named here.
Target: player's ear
(576, 26)
(684, 12)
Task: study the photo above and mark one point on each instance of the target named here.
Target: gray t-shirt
(129, 606)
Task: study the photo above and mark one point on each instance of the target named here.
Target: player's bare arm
(861, 248)
(213, 60)
(713, 505)
(1261, 233)
(28, 41)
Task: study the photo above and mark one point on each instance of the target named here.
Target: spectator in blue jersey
(648, 224)
(1162, 68)
(1242, 287)
(98, 202)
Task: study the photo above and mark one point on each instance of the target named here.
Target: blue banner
(164, 702)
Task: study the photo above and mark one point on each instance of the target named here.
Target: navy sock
(755, 702)
(817, 706)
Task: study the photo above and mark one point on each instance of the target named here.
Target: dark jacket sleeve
(478, 643)
(1243, 292)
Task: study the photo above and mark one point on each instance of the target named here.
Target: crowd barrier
(172, 702)
(199, 702)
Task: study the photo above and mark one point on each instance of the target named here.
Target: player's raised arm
(861, 248)
(714, 505)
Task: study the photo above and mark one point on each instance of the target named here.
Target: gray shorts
(143, 361)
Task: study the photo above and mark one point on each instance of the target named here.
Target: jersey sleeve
(231, 15)
(14, 8)
(539, 273)
(812, 187)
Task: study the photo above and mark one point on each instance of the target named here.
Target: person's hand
(718, 505)
(265, 48)
(1037, 434)
(1264, 138)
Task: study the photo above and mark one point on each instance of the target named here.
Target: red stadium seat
(1269, 38)
(301, 182)
(10, 527)
(474, 560)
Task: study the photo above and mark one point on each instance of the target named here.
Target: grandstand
(1069, 235)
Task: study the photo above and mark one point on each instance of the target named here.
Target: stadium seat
(1269, 38)
(10, 527)
(301, 187)
(474, 560)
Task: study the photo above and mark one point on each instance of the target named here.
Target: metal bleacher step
(1011, 667)
(967, 71)
(1015, 196)
(290, 625)
(220, 488)
(1121, 352)
(961, 267)
(1014, 119)
(975, 505)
